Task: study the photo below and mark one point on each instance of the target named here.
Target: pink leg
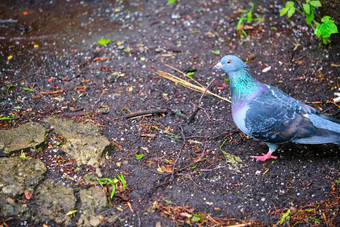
(264, 157)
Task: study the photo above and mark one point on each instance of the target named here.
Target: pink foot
(264, 157)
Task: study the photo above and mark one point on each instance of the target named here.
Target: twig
(23, 78)
(8, 21)
(198, 106)
(147, 112)
(213, 137)
(179, 153)
(30, 38)
(195, 183)
(206, 135)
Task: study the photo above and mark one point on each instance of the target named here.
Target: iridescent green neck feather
(243, 85)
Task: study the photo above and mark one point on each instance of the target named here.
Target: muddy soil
(52, 65)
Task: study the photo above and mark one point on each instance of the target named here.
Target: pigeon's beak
(218, 66)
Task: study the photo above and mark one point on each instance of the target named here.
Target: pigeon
(268, 114)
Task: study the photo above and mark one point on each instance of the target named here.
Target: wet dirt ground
(52, 65)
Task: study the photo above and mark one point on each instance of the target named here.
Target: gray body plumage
(275, 117)
(270, 115)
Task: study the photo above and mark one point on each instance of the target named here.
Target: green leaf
(306, 8)
(216, 52)
(139, 156)
(310, 17)
(289, 9)
(171, 2)
(283, 11)
(190, 73)
(250, 13)
(196, 218)
(5, 118)
(285, 215)
(315, 3)
(121, 178)
(113, 190)
(72, 212)
(324, 30)
(28, 89)
(127, 50)
(104, 180)
(240, 22)
(104, 41)
(167, 201)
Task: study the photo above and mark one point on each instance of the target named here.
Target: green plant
(171, 2)
(139, 156)
(23, 156)
(285, 217)
(322, 31)
(249, 18)
(104, 41)
(113, 182)
(121, 178)
(72, 213)
(9, 87)
(326, 29)
(5, 118)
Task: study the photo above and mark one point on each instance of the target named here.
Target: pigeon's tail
(322, 121)
(322, 136)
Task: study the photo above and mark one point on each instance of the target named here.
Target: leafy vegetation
(248, 17)
(104, 41)
(324, 30)
(113, 182)
(171, 2)
(72, 213)
(139, 156)
(285, 218)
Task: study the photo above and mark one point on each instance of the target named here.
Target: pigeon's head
(230, 63)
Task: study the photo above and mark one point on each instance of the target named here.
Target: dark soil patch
(72, 78)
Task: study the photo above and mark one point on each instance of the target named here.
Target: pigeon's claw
(264, 157)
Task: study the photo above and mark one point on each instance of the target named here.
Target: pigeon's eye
(228, 62)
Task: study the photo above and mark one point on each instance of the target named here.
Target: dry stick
(198, 106)
(23, 78)
(214, 137)
(186, 84)
(147, 112)
(179, 153)
(206, 135)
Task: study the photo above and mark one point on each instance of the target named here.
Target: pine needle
(199, 87)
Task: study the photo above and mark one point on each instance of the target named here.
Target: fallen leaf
(166, 169)
(104, 41)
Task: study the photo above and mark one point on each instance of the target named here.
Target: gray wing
(275, 117)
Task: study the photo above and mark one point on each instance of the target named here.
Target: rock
(16, 176)
(93, 201)
(90, 178)
(29, 135)
(84, 142)
(53, 202)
